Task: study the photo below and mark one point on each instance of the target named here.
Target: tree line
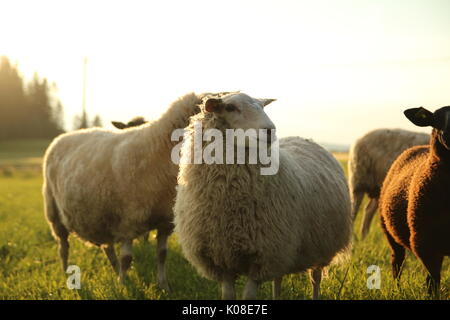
(31, 109)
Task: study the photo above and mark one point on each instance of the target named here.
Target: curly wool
(414, 202)
(231, 220)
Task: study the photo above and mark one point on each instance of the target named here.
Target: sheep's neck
(438, 152)
(157, 135)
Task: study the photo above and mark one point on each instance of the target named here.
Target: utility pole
(84, 119)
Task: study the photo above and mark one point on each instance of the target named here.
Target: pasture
(30, 268)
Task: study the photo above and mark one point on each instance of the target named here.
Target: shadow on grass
(184, 281)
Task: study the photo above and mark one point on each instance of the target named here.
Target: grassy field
(30, 269)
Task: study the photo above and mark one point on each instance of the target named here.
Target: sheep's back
(396, 190)
(372, 155)
(321, 181)
(95, 178)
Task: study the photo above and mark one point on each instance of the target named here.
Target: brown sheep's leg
(398, 253)
(369, 212)
(316, 278)
(161, 253)
(276, 288)
(125, 259)
(433, 264)
(397, 258)
(111, 254)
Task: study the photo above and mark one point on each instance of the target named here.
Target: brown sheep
(414, 201)
(370, 158)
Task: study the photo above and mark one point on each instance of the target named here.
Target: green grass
(16, 151)
(30, 269)
(21, 157)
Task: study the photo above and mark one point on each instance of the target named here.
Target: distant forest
(31, 109)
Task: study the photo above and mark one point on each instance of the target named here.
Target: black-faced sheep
(370, 158)
(231, 220)
(113, 186)
(135, 122)
(414, 200)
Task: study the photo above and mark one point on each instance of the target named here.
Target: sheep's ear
(119, 125)
(419, 116)
(135, 122)
(213, 105)
(265, 102)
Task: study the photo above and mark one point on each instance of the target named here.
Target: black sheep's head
(439, 120)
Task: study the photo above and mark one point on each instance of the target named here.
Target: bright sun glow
(337, 68)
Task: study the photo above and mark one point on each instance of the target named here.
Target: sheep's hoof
(123, 279)
(164, 286)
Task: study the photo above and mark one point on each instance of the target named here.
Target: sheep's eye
(230, 108)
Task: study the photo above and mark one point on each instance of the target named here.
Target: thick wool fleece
(414, 201)
(111, 186)
(231, 220)
(371, 157)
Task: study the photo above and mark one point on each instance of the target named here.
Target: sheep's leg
(161, 252)
(357, 197)
(251, 289)
(276, 288)
(60, 233)
(369, 212)
(64, 251)
(125, 259)
(433, 264)
(316, 278)
(111, 254)
(397, 259)
(228, 291)
(146, 237)
(62, 236)
(398, 253)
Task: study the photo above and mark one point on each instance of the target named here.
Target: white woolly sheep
(113, 186)
(231, 220)
(135, 122)
(369, 160)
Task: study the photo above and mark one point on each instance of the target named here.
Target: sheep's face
(240, 111)
(439, 120)
(135, 122)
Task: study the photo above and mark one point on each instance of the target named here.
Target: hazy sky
(338, 68)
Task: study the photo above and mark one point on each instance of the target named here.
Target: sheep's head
(439, 120)
(240, 111)
(132, 123)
